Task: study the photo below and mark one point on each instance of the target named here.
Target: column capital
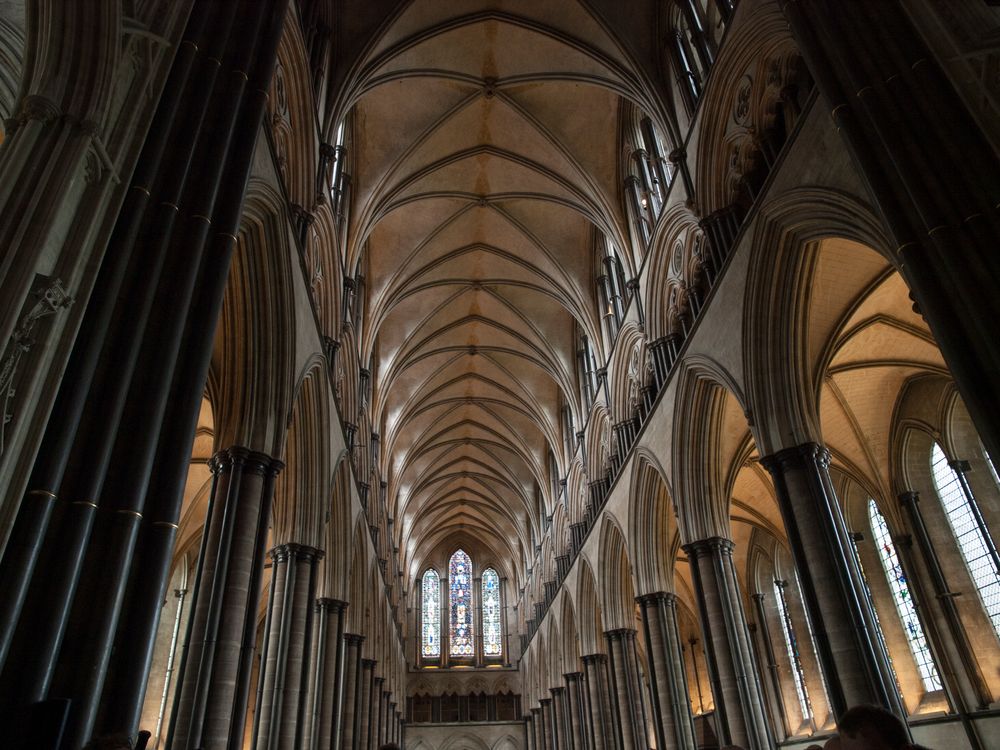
(909, 497)
(595, 658)
(335, 605)
(573, 676)
(535, 711)
(544, 701)
(353, 639)
(379, 680)
(368, 663)
(620, 634)
(557, 691)
(293, 550)
(757, 596)
(709, 546)
(796, 457)
(653, 599)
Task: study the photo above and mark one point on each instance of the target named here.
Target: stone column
(576, 711)
(671, 708)
(529, 740)
(559, 719)
(477, 621)
(548, 739)
(855, 664)
(366, 697)
(626, 688)
(599, 702)
(352, 689)
(377, 713)
(503, 622)
(329, 687)
(739, 704)
(214, 682)
(445, 637)
(537, 741)
(764, 632)
(281, 711)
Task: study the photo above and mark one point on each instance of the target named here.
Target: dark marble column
(576, 710)
(537, 742)
(548, 738)
(559, 718)
(352, 690)
(329, 687)
(214, 681)
(281, 710)
(667, 676)
(529, 740)
(854, 663)
(602, 734)
(363, 729)
(739, 704)
(626, 688)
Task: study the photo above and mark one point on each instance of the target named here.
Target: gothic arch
(740, 106)
(710, 428)
(591, 623)
(338, 541)
(654, 538)
(782, 367)
(627, 373)
(252, 366)
(617, 590)
(302, 490)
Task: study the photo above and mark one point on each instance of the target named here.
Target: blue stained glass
(431, 615)
(901, 596)
(492, 640)
(460, 603)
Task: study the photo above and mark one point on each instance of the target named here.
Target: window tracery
(792, 648)
(973, 539)
(492, 640)
(460, 604)
(431, 615)
(900, 588)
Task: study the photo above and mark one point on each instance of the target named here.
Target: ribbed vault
(485, 165)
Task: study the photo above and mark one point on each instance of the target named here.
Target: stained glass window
(492, 640)
(973, 539)
(900, 588)
(792, 647)
(460, 602)
(871, 605)
(431, 615)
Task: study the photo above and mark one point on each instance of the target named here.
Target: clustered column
(599, 701)
(214, 683)
(739, 706)
(281, 704)
(576, 710)
(667, 676)
(328, 687)
(626, 693)
(855, 664)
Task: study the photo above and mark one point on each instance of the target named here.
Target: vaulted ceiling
(485, 165)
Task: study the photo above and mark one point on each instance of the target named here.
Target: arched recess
(785, 332)
(617, 590)
(291, 116)
(627, 373)
(554, 654)
(591, 622)
(302, 489)
(759, 83)
(252, 368)
(710, 429)
(359, 588)
(570, 644)
(337, 536)
(655, 540)
(676, 270)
